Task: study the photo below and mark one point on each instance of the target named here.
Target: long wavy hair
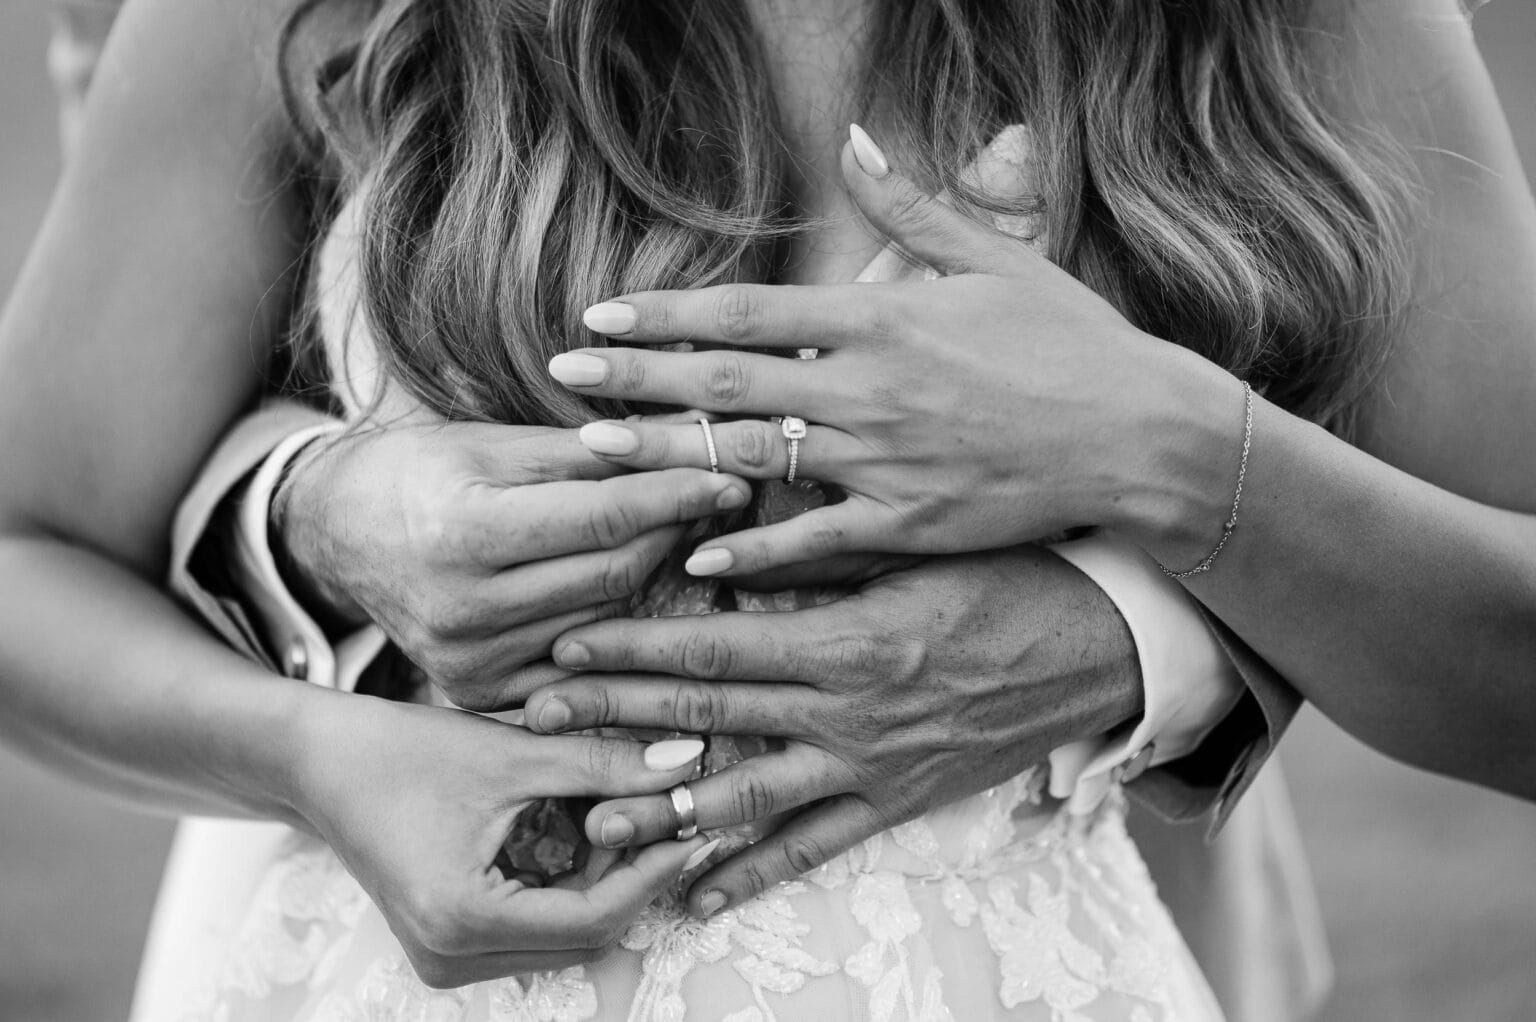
(527, 158)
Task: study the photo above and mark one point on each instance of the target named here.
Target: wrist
(297, 546)
(261, 753)
(1183, 476)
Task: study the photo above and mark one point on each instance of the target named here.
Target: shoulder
(211, 70)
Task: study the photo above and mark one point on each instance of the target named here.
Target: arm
(137, 330)
(1418, 602)
(102, 429)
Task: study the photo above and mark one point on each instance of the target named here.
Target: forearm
(1405, 612)
(103, 678)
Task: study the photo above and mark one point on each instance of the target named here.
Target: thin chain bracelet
(1237, 499)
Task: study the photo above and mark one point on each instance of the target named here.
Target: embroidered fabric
(1002, 906)
(983, 910)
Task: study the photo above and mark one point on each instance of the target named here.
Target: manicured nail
(616, 830)
(575, 369)
(554, 716)
(664, 757)
(573, 655)
(712, 902)
(731, 498)
(609, 438)
(698, 856)
(709, 562)
(870, 159)
(610, 318)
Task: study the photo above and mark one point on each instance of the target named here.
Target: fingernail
(610, 318)
(554, 716)
(608, 438)
(575, 369)
(616, 830)
(731, 498)
(712, 902)
(870, 159)
(709, 562)
(664, 757)
(573, 655)
(698, 856)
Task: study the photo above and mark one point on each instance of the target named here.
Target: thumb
(927, 228)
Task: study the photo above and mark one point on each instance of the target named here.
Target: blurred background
(1428, 886)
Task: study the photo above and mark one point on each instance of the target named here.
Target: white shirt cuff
(300, 646)
(1188, 683)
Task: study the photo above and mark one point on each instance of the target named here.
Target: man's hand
(473, 546)
(927, 685)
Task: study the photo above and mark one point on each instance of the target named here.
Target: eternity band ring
(793, 428)
(709, 442)
(682, 804)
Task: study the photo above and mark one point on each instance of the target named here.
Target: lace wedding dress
(1000, 906)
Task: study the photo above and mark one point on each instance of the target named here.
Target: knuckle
(628, 373)
(752, 447)
(602, 758)
(736, 312)
(827, 538)
(622, 576)
(861, 655)
(803, 854)
(754, 798)
(698, 709)
(702, 657)
(442, 617)
(725, 381)
(607, 525)
(756, 878)
(439, 533)
(910, 205)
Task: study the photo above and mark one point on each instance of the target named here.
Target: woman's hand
(1001, 403)
(929, 684)
(418, 801)
(473, 546)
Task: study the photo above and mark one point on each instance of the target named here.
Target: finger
(823, 532)
(848, 571)
(669, 704)
(804, 842)
(571, 765)
(754, 789)
(476, 676)
(529, 679)
(543, 589)
(560, 917)
(751, 448)
(521, 524)
(530, 594)
(734, 646)
(734, 382)
(744, 315)
(519, 455)
(928, 229)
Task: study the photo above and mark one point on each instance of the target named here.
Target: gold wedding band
(709, 442)
(682, 804)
